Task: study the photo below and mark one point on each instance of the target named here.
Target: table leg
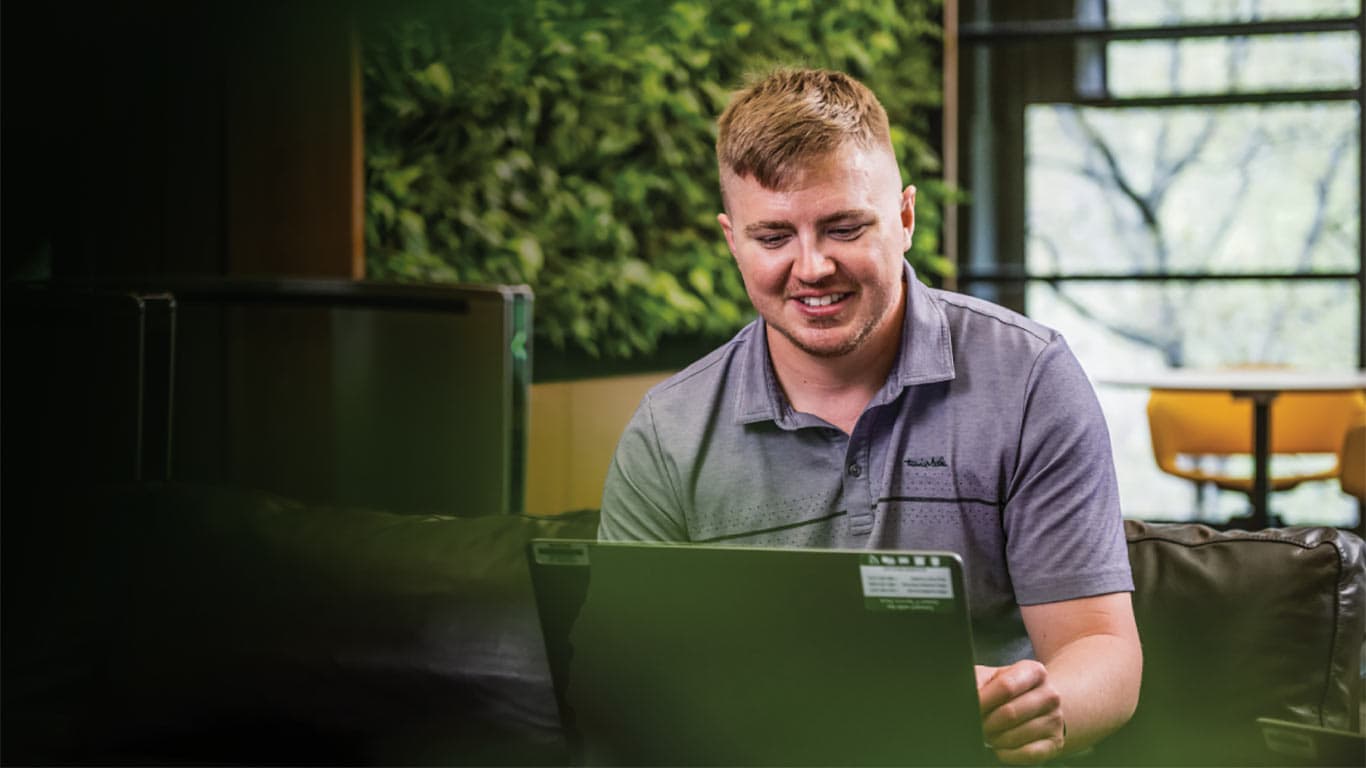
(1261, 457)
(1260, 516)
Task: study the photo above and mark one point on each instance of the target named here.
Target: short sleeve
(639, 501)
(1063, 524)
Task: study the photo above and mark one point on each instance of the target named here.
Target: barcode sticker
(907, 581)
(559, 553)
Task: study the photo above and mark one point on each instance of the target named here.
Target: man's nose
(812, 265)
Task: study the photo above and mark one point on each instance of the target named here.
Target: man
(865, 410)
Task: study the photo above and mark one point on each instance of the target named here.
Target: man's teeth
(822, 301)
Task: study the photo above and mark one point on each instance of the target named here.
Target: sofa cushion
(1237, 626)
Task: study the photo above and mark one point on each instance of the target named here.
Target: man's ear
(724, 221)
(908, 216)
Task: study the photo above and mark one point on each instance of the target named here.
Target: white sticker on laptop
(900, 583)
(559, 553)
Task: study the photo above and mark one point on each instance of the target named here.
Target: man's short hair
(782, 121)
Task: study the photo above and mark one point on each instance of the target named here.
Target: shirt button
(855, 470)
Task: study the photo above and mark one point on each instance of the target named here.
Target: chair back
(1353, 462)
(1314, 422)
(1218, 423)
(1197, 423)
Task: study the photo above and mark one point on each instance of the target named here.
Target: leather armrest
(1236, 626)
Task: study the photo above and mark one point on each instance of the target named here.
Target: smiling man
(865, 410)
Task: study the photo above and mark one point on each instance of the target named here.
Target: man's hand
(1094, 665)
(1022, 718)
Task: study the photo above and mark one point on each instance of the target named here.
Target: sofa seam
(1337, 630)
(1251, 538)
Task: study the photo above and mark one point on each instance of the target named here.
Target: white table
(1261, 386)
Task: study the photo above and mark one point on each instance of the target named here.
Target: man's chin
(830, 344)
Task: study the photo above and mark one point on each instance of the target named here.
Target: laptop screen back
(692, 655)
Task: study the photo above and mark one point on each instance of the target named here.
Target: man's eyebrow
(846, 214)
(759, 227)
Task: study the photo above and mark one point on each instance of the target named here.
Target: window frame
(1002, 270)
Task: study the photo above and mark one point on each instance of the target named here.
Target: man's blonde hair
(782, 121)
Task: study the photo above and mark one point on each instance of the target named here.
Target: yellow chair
(1216, 423)
(1353, 463)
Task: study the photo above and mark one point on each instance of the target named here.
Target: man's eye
(771, 241)
(847, 233)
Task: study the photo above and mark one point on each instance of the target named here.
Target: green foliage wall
(568, 144)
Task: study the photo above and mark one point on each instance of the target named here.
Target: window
(1170, 184)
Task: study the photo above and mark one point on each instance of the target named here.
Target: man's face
(822, 259)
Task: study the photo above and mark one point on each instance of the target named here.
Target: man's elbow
(1133, 683)
(1126, 681)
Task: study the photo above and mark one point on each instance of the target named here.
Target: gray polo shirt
(986, 440)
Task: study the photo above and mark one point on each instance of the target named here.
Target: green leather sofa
(164, 624)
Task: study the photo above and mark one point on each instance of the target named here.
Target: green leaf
(531, 256)
(439, 78)
(635, 272)
(412, 223)
(700, 280)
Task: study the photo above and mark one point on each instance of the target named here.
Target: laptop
(672, 654)
(1290, 743)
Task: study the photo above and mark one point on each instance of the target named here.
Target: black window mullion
(1217, 99)
(974, 276)
(1005, 33)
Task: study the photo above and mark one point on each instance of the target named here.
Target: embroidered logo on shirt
(927, 461)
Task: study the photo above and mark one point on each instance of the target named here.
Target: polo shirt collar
(758, 397)
(925, 356)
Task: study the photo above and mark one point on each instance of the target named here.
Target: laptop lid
(703, 655)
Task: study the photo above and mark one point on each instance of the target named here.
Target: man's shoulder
(969, 314)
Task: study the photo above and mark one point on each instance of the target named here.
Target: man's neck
(837, 389)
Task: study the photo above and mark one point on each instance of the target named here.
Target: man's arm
(1084, 686)
(1065, 537)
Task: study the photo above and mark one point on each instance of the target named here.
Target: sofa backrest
(1236, 626)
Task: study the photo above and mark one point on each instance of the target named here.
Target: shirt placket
(858, 479)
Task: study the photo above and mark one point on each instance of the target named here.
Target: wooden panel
(548, 449)
(189, 139)
(293, 139)
(575, 426)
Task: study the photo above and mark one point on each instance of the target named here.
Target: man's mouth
(823, 301)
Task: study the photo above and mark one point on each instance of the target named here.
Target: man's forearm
(1090, 650)
(1097, 677)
